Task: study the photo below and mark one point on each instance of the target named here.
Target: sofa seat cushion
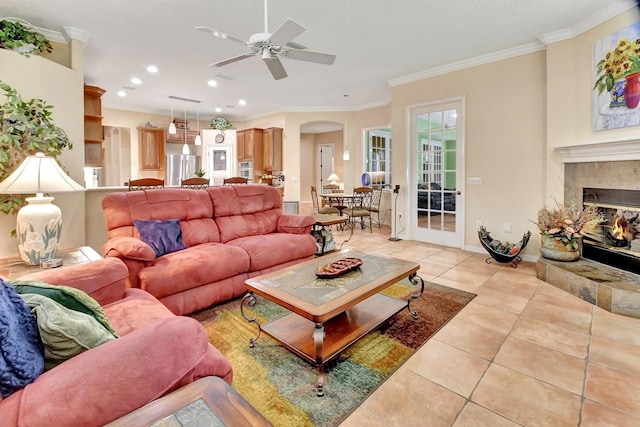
(193, 267)
(137, 309)
(272, 249)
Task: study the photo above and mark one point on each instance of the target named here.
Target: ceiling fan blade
(310, 56)
(220, 34)
(276, 68)
(232, 60)
(295, 45)
(288, 31)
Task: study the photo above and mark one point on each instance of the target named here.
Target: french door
(437, 173)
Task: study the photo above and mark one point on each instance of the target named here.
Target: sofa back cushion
(245, 210)
(193, 208)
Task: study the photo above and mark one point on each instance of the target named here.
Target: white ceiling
(378, 43)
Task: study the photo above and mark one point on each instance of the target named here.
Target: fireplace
(617, 241)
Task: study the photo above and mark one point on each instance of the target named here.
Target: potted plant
(220, 123)
(562, 227)
(200, 173)
(26, 127)
(19, 35)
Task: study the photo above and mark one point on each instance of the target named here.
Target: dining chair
(359, 206)
(326, 210)
(145, 184)
(331, 188)
(195, 183)
(375, 205)
(235, 180)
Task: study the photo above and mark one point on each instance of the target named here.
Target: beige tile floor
(521, 353)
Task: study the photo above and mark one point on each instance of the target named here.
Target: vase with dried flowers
(562, 227)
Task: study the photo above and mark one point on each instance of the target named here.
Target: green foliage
(27, 127)
(22, 38)
(220, 123)
(200, 173)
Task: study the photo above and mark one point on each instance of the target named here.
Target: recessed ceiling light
(122, 93)
(136, 81)
(152, 69)
(242, 102)
(218, 110)
(212, 83)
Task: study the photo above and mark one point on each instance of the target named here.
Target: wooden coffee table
(208, 401)
(329, 315)
(15, 267)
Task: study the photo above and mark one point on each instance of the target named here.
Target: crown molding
(76, 34)
(468, 63)
(609, 151)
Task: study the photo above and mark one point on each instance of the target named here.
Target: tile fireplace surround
(614, 165)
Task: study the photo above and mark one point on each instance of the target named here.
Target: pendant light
(172, 126)
(198, 140)
(185, 147)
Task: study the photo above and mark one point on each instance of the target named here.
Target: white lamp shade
(39, 223)
(185, 149)
(172, 128)
(38, 174)
(198, 140)
(333, 178)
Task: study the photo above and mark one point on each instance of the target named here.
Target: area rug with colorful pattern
(281, 386)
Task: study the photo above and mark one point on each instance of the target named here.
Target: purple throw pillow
(163, 236)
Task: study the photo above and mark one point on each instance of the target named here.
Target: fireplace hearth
(617, 241)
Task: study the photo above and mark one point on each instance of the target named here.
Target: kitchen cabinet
(151, 150)
(272, 150)
(178, 137)
(249, 145)
(93, 126)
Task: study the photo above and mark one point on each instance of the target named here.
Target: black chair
(359, 206)
(375, 205)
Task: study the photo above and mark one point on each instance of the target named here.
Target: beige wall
(61, 87)
(504, 137)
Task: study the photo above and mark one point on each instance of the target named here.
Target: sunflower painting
(616, 80)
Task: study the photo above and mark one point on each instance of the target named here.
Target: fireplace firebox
(617, 241)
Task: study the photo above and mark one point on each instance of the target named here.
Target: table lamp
(333, 178)
(39, 223)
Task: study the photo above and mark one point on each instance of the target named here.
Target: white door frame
(452, 239)
(323, 171)
(217, 179)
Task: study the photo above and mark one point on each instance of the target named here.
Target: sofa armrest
(295, 224)
(128, 247)
(111, 380)
(104, 279)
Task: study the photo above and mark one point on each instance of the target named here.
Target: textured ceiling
(377, 43)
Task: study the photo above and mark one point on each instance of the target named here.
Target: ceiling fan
(272, 47)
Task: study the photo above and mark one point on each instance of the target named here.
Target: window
(377, 160)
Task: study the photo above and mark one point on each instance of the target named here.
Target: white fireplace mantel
(600, 152)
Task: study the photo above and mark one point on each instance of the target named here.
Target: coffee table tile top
(299, 285)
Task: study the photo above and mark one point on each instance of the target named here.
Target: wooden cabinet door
(151, 148)
(272, 149)
(240, 145)
(248, 144)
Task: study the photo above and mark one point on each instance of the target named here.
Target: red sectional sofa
(231, 233)
(156, 352)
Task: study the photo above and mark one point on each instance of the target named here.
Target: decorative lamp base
(39, 227)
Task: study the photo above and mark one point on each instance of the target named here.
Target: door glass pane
(436, 137)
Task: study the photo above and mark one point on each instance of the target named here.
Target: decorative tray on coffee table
(338, 268)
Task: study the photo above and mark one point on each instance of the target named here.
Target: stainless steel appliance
(181, 166)
(245, 169)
